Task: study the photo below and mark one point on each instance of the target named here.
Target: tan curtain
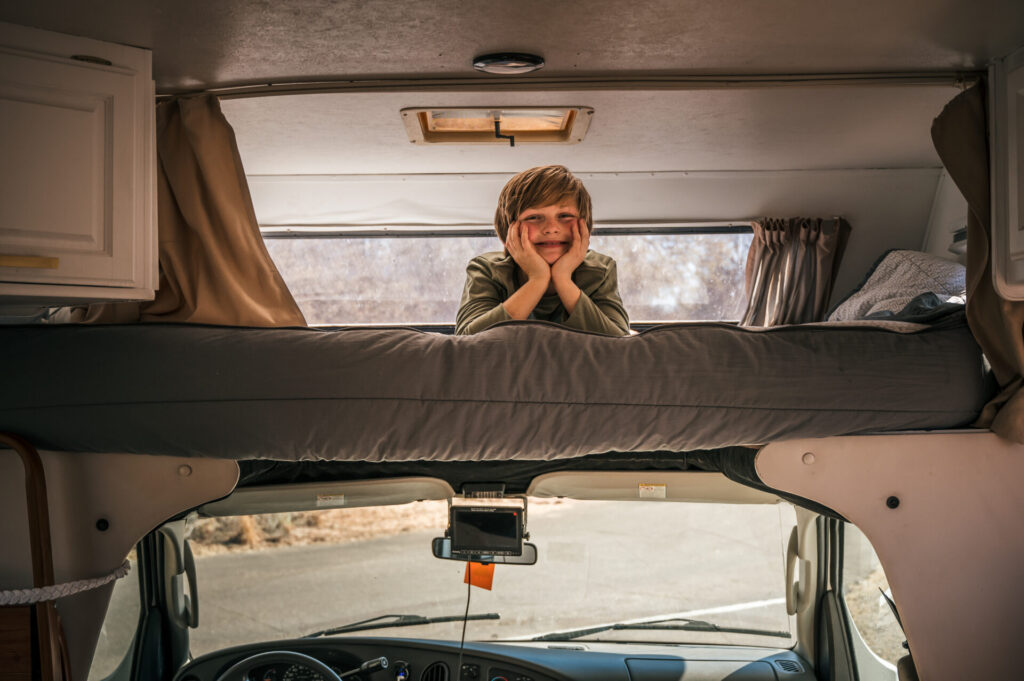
(791, 268)
(960, 134)
(214, 266)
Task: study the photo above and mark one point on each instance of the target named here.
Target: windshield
(658, 564)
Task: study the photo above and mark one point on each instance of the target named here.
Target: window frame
(423, 230)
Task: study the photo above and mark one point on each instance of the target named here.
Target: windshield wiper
(667, 624)
(385, 621)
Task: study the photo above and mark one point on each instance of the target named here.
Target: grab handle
(50, 640)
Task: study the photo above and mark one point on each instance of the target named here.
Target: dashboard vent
(435, 672)
(791, 666)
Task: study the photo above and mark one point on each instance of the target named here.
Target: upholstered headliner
(201, 43)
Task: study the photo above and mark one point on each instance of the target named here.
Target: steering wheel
(239, 670)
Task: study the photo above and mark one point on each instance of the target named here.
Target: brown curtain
(960, 135)
(214, 266)
(791, 268)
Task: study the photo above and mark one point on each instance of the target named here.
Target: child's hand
(525, 253)
(573, 258)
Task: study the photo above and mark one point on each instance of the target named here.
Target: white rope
(52, 593)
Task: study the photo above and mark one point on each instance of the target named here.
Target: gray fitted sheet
(526, 390)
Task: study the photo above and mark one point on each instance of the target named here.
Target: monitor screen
(486, 531)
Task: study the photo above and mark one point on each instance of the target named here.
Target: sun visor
(316, 496)
(647, 485)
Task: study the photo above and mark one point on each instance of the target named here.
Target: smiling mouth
(551, 244)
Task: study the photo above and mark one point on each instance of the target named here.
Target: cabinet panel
(73, 166)
(77, 172)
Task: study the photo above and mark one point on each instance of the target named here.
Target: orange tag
(479, 574)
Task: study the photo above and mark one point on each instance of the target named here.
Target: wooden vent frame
(576, 123)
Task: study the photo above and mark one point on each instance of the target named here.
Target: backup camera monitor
(487, 529)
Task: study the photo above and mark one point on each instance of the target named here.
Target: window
(665, 273)
(599, 562)
(118, 632)
(863, 583)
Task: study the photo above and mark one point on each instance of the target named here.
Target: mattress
(520, 390)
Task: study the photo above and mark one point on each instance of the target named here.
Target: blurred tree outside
(409, 280)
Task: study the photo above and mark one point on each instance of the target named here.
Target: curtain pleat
(214, 266)
(791, 268)
(960, 135)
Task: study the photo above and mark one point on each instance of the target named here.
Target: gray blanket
(524, 390)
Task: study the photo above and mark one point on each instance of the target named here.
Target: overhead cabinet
(77, 172)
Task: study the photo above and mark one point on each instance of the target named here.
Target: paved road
(597, 563)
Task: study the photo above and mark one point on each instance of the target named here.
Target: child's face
(549, 228)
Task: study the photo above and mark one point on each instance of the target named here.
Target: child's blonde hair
(536, 188)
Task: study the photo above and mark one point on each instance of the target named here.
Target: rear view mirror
(442, 547)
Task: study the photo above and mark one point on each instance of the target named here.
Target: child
(546, 271)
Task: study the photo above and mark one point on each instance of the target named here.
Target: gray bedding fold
(518, 391)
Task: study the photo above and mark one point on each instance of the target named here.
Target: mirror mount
(442, 548)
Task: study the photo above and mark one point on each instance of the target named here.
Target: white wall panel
(779, 128)
(886, 208)
(949, 213)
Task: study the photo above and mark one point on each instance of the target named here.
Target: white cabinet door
(1006, 83)
(77, 170)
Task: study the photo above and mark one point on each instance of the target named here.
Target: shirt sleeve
(601, 311)
(482, 299)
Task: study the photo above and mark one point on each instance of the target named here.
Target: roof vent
(493, 125)
(435, 672)
(791, 666)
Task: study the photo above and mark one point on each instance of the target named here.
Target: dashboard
(428, 660)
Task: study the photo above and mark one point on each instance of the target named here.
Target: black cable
(497, 133)
(465, 618)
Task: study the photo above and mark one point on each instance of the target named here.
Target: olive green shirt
(492, 278)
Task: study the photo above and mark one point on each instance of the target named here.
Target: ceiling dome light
(508, 63)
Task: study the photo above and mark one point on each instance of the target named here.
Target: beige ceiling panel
(860, 196)
(791, 128)
(196, 42)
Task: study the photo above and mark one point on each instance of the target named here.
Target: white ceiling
(202, 43)
(792, 128)
(198, 44)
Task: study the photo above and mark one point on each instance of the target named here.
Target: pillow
(904, 281)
